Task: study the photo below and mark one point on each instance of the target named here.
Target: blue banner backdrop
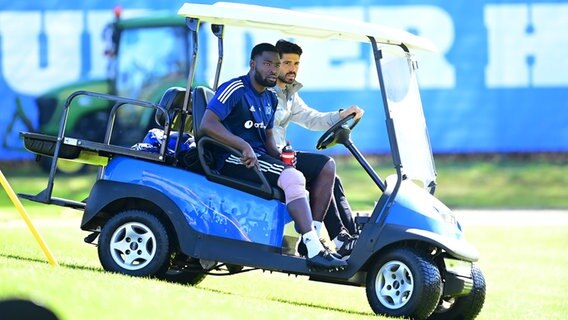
(498, 84)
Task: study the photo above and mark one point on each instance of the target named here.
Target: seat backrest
(172, 101)
(200, 98)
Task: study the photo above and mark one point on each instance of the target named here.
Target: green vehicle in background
(146, 55)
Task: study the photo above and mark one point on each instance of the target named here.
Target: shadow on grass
(311, 305)
(94, 269)
(296, 303)
(65, 265)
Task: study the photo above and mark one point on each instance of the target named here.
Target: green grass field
(524, 262)
(524, 267)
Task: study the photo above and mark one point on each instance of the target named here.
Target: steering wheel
(331, 136)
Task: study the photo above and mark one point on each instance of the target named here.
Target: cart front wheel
(404, 283)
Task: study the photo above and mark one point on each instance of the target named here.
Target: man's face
(290, 63)
(266, 68)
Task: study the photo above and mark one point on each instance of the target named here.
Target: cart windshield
(405, 108)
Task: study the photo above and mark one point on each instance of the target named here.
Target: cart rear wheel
(404, 283)
(191, 278)
(136, 243)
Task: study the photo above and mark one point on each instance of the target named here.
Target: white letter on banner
(430, 22)
(21, 49)
(526, 45)
(326, 65)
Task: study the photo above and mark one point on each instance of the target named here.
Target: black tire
(190, 278)
(135, 243)
(467, 307)
(404, 283)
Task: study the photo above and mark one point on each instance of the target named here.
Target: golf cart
(154, 215)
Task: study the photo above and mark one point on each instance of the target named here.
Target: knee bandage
(293, 183)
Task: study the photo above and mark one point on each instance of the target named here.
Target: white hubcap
(133, 246)
(394, 285)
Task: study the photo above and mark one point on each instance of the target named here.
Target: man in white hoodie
(291, 108)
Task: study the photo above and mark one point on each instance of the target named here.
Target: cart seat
(200, 99)
(172, 100)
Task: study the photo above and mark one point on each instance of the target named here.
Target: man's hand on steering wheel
(331, 136)
(352, 109)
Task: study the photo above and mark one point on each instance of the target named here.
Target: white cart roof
(301, 24)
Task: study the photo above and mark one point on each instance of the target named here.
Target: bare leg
(299, 210)
(293, 183)
(321, 190)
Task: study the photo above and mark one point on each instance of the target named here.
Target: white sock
(312, 242)
(317, 225)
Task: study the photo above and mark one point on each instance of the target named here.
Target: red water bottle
(288, 155)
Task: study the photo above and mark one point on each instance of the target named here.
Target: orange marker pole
(27, 219)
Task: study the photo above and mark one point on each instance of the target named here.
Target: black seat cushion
(172, 101)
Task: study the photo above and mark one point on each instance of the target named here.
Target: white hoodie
(291, 108)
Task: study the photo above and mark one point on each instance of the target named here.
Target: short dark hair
(260, 48)
(284, 46)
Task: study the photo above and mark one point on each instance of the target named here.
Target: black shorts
(270, 166)
(310, 164)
